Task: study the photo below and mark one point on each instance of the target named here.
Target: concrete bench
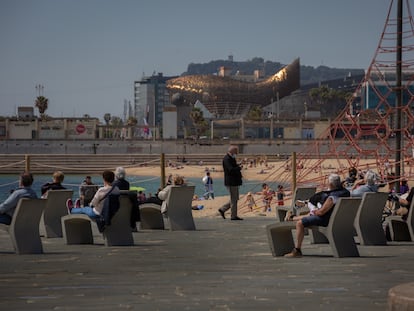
(368, 220)
(179, 213)
(151, 217)
(300, 194)
(24, 228)
(339, 232)
(77, 228)
(50, 224)
(401, 229)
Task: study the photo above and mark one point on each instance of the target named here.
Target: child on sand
(280, 194)
(267, 197)
(250, 201)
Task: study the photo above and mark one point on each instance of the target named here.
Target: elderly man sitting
(367, 184)
(319, 216)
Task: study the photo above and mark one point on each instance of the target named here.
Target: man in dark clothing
(87, 191)
(232, 181)
(25, 190)
(58, 177)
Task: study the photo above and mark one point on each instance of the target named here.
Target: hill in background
(308, 74)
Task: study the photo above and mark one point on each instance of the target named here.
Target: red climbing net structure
(365, 133)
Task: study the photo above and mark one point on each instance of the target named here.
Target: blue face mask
(233, 156)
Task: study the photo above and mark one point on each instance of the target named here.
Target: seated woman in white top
(163, 194)
(94, 210)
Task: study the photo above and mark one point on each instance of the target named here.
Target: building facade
(150, 98)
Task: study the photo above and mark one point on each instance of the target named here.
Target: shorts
(315, 221)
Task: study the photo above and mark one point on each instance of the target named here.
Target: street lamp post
(398, 94)
(39, 89)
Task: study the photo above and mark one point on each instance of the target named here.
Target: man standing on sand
(208, 186)
(232, 181)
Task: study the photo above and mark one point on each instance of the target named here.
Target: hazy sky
(88, 53)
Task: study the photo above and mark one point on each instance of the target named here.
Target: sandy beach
(274, 171)
(210, 207)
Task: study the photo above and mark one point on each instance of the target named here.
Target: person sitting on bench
(319, 216)
(24, 191)
(94, 210)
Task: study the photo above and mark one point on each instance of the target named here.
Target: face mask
(233, 156)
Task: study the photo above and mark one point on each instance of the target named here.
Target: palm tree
(116, 121)
(41, 103)
(107, 118)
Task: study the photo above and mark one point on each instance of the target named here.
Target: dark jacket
(111, 206)
(51, 186)
(122, 184)
(232, 171)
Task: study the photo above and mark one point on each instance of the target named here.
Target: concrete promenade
(224, 265)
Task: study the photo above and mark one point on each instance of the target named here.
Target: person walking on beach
(25, 190)
(208, 186)
(267, 197)
(280, 194)
(232, 181)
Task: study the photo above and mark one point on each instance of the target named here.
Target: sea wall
(271, 147)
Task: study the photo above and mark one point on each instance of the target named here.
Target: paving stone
(224, 265)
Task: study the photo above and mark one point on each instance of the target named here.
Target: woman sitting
(163, 194)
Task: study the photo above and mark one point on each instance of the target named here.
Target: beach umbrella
(135, 188)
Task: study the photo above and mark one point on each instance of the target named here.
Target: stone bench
(299, 194)
(56, 208)
(151, 217)
(77, 228)
(339, 232)
(24, 227)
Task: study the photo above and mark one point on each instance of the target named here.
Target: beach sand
(270, 173)
(211, 206)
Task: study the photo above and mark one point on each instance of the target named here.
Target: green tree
(327, 100)
(199, 122)
(321, 95)
(116, 121)
(132, 121)
(255, 114)
(41, 103)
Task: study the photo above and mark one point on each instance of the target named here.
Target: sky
(86, 54)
